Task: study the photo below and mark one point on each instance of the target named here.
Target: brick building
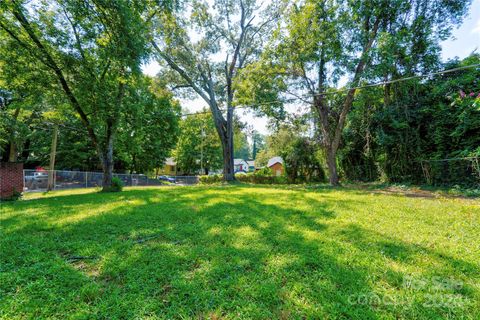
(11, 179)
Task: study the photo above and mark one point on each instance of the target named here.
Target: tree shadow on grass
(442, 281)
(408, 253)
(189, 252)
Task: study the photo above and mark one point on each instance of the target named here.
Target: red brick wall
(11, 178)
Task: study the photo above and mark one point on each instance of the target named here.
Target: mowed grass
(239, 252)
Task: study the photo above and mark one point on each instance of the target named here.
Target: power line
(343, 90)
(399, 80)
(289, 100)
(244, 106)
(62, 125)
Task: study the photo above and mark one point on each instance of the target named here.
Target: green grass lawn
(239, 252)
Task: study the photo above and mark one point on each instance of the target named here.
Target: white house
(240, 165)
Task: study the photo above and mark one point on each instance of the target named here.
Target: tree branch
(181, 72)
(50, 62)
(356, 79)
(78, 43)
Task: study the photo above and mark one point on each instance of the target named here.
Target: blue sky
(466, 38)
(464, 41)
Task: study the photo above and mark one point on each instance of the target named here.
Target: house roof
(170, 162)
(251, 163)
(274, 160)
(238, 162)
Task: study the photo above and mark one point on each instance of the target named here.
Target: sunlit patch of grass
(239, 252)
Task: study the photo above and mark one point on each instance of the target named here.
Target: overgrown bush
(265, 171)
(117, 185)
(210, 179)
(262, 177)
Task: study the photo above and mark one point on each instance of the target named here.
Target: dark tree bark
(228, 167)
(332, 167)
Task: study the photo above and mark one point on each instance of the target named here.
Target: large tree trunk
(332, 166)
(228, 165)
(112, 122)
(107, 158)
(107, 168)
(228, 168)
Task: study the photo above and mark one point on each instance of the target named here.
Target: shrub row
(214, 178)
(256, 178)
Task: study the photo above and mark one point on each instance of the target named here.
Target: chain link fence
(35, 180)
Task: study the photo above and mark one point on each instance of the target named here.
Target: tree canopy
(324, 42)
(90, 51)
(356, 69)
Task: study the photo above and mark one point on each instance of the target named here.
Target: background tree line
(76, 65)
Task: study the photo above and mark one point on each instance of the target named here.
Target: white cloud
(477, 28)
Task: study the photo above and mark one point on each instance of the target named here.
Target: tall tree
(92, 49)
(229, 35)
(325, 41)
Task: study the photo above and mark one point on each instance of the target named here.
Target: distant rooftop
(239, 161)
(274, 160)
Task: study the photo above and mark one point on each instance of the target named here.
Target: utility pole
(253, 135)
(53, 151)
(254, 149)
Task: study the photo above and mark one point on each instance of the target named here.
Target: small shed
(276, 164)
